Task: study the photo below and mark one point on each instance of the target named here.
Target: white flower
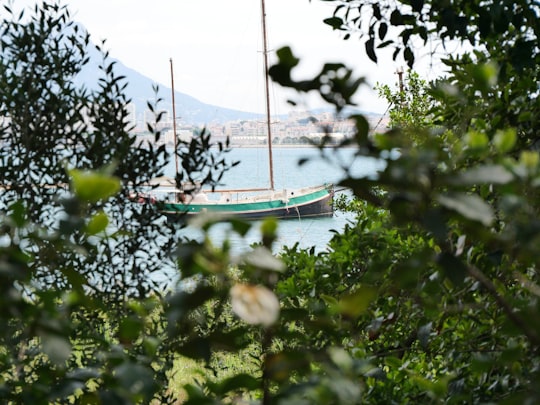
(255, 304)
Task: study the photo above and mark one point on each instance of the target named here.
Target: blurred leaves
(426, 296)
(92, 186)
(470, 206)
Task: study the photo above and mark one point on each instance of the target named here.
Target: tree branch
(509, 311)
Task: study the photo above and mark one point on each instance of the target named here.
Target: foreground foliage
(443, 242)
(428, 296)
(80, 262)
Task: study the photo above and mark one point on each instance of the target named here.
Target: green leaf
(393, 362)
(92, 186)
(484, 75)
(241, 227)
(362, 128)
(329, 300)
(83, 374)
(384, 44)
(370, 46)
(434, 388)
(98, 223)
(529, 159)
(340, 357)
(469, 205)
(476, 140)
(129, 329)
(75, 278)
(281, 365)
(335, 22)
(151, 345)
(408, 55)
(424, 332)
(18, 213)
(269, 226)
(269, 231)
(136, 379)
(385, 141)
(525, 117)
(357, 303)
(182, 302)
(482, 363)
(197, 348)
(505, 140)
(417, 5)
(396, 18)
(383, 29)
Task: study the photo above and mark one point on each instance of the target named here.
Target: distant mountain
(140, 90)
(192, 111)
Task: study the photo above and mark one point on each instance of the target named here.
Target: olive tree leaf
(370, 45)
(335, 22)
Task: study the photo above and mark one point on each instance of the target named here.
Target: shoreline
(288, 146)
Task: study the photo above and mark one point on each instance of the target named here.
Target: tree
(494, 71)
(51, 126)
(411, 104)
(447, 265)
(81, 306)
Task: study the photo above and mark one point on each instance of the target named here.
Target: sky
(216, 47)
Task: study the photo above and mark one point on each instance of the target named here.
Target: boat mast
(267, 93)
(174, 119)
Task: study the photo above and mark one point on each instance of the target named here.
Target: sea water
(319, 167)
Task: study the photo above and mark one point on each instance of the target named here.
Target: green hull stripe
(245, 207)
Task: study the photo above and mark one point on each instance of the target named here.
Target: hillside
(140, 91)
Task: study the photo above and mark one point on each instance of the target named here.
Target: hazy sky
(216, 46)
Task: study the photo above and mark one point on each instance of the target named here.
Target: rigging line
(382, 116)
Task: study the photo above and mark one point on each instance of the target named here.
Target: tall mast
(174, 119)
(267, 93)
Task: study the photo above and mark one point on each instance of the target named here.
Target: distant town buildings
(297, 128)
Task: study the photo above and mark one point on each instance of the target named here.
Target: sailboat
(254, 203)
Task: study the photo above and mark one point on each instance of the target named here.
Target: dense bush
(443, 244)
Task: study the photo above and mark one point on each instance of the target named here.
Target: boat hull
(314, 202)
